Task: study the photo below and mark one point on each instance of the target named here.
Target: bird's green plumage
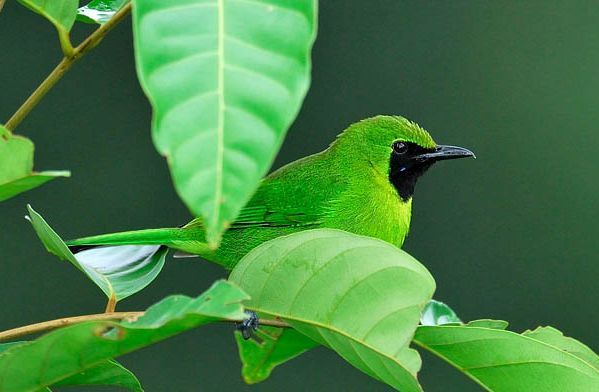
(345, 187)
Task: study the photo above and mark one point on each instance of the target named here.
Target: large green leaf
(16, 166)
(360, 296)
(275, 347)
(67, 351)
(99, 11)
(225, 78)
(119, 275)
(500, 360)
(61, 13)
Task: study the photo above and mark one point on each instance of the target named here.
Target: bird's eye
(400, 147)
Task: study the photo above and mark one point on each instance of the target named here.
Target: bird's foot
(249, 326)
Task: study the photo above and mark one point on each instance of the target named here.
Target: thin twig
(63, 322)
(90, 42)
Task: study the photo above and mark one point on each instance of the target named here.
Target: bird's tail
(133, 245)
(167, 237)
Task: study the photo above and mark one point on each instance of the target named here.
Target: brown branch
(90, 42)
(63, 322)
(131, 316)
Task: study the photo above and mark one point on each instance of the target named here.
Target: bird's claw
(248, 326)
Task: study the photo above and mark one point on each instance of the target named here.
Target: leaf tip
(213, 239)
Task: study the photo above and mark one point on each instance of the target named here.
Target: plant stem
(111, 305)
(63, 322)
(2, 4)
(131, 316)
(64, 65)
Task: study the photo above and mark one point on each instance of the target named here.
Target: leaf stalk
(65, 43)
(111, 304)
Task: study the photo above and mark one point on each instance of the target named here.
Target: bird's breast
(375, 211)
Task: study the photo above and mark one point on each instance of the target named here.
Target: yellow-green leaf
(360, 296)
(225, 78)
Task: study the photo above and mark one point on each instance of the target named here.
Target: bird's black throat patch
(404, 170)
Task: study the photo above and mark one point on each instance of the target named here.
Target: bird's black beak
(444, 152)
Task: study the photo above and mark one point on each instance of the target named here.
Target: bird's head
(395, 147)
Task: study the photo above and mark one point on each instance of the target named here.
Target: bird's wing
(266, 216)
(295, 195)
(259, 213)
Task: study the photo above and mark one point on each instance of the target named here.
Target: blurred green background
(511, 235)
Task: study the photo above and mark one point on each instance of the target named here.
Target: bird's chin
(404, 178)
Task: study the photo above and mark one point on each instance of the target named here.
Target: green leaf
(99, 11)
(360, 296)
(61, 13)
(136, 267)
(105, 373)
(276, 346)
(109, 373)
(489, 323)
(225, 79)
(33, 180)
(16, 166)
(6, 346)
(16, 156)
(71, 350)
(556, 338)
(438, 313)
(500, 360)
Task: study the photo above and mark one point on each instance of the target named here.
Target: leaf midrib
(221, 114)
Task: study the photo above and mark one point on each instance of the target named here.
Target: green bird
(362, 183)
